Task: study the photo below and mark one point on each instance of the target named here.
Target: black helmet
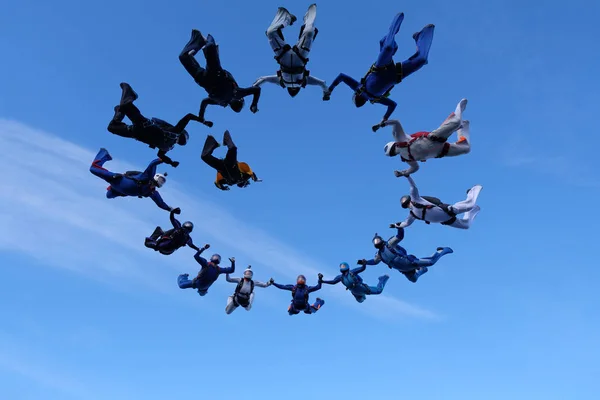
(183, 138)
(378, 241)
(188, 226)
(405, 201)
(293, 91)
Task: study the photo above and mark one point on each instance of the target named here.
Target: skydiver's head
(188, 226)
(390, 149)
(215, 259)
(237, 105)
(159, 180)
(359, 100)
(344, 268)
(293, 91)
(405, 201)
(378, 242)
(301, 280)
(183, 138)
(248, 274)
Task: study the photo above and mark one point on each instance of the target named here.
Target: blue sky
(88, 313)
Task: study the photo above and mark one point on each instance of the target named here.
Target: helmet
(405, 201)
(344, 267)
(188, 226)
(359, 100)
(160, 179)
(378, 241)
(301, 280)
(237, 105)
(248, 273)
(293, 91)
(390, 149)
(215, 258)
(183, 138)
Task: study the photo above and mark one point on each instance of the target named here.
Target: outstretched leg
(126, 108)
(308, 32)
(424, 38)
(184, 282)
(414, 275)
(469, 203)
(97, 166)
(230, 160)
(209, 146)
(380, 286)
(283, 18)
(465, 223)
(231, 306)
(429, 261)
(211, 54)
(186, 57)
(388, 45)
(316, 306)
(452, 123)
(250, 300)
(463, 144)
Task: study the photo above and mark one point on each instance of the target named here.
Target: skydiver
(423, 146)
(384, 74)
(154, 132)
(396, 257)
(220, 85)
(131, 183)
(300, 293)
(208, 274)
(353, 282)
(292, 60)
(229, 171)
(244, 291)
(432, 210)
(168, 242)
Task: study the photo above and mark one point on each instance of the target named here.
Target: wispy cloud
(59, 215)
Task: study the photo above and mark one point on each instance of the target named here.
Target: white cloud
(56, 212)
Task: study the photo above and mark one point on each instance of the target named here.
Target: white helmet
(389, 148)
(160, 179)
(248, 273)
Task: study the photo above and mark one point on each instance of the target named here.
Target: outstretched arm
(191, 244)
(183, 122)
(155, 196)
(229, 270)
(232, 280)
(413, 166)
(374, 261)
(205, 103)
(359, 269)
(262, 284)
(151, 169)
(397, 130)
(407, 222)
(166, 159)
(414, 191)
(398, 238)
(334, 281)
(316, 287)
(266, 79)
(314, 81)
(283, 287)
(391, 106)
(199, 259)
(176, 224)
(345, 79)
(255, 92)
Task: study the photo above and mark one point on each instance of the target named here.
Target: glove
(320, 277)
(326, 95)
(232, 259)
(396, 225)
(206, 246)
(254, 108)
(400, 173)
(174, 164)
(176, 210)
(205, 122)
(362, 262)
(271, 281)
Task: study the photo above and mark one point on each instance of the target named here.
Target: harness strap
(428, 136)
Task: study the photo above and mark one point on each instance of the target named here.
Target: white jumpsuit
(436, 214)
(292, 64)
(423, 148)
(246, 289)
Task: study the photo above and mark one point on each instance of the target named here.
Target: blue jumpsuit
(300, 298)
(206, 277)
(122, 185)
(396, 257)
(385, 74)
(171, 240)
(354, 283)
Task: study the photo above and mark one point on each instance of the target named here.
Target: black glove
(320, 277)
(206, 246)
(174, 164)
(362, 262)
(271, 281)
(176, 210)
(232, 259)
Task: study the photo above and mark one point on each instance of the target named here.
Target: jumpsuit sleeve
(190, 243)
(205, 103)
(413, 167)
(283, 287)
(334, 281)
(232, 280)
(398, 238)
(345, 79)
(163, 156)
(176, 224)
(397, 130)
(414, 191)
(183, 122)
(200, 260)
(359, 269)
(155, 196)
(375, 260)
(151, 169)
(391, 106)
(266, 79)
(254, 91)
(229, 270)
(315, 288)
(408, 221)
(314, 81)
(261, 284)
